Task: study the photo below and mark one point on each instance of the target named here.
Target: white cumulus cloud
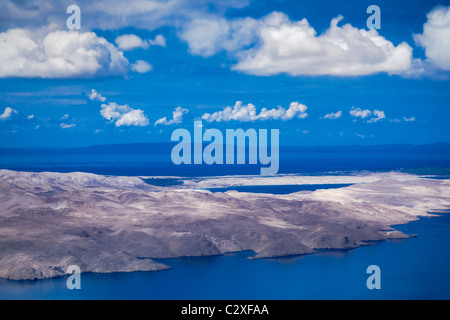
(371, 116)
(436, 37)
(96, 96)
(293, 47)
(130, 41)
(58, 54)
(177, 117)
(124, 115)
(158, 41)
(8, 113)
(245, 113)
(274, 44)
(379, 115)
(142, 66)
(333, 115)
(359, 113)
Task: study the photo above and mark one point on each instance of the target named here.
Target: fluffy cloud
(158, 41)
(266, 46)
(8, 113)
(275, 44)
(208, 36)
(359, 113)
(379, 115)
(333, 115)
(374, 116)
(436, 37)
(245, 113)
(96, 96)
(177, 117)
(130, 42)
(142, 66)
(294, 47)
(46, 53)
(58, 54)
(123, 115)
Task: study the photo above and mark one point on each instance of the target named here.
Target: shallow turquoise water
(415, 268)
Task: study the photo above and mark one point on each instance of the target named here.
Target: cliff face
(49, 221)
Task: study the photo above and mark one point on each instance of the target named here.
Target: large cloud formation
(58, 54)
(278, 45)
(293, 47)
(266, 46)
(436, 37)
(296, 49)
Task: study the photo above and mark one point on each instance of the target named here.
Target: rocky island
(104, 224)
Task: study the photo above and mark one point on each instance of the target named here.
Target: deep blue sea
(155, 160)
(414, 268)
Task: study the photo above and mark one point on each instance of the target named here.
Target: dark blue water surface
(155, 160)
(414, 268)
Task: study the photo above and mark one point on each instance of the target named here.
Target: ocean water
(414, 268)
(155, 160)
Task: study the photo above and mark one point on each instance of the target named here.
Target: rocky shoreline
(104, 224)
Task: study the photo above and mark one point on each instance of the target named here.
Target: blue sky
(136, 72)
